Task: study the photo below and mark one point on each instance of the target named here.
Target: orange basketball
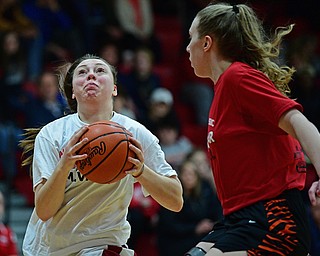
(108, 151)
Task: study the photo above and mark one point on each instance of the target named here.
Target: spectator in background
(142, 215)
(175, 145)
(199, 157)
(191, 92)
(187, 10)
(8, 240)
(306, 81)
(123, 61)
(13, 19)
(178, 232)
(13, 69)
(48, 104)
(56, 40)
(141, 81)
(123, 103)
(110, 52)
(136, 20)
(12, 75)
(96, 20)
(160, 109)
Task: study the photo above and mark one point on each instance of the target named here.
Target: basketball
(108, 151)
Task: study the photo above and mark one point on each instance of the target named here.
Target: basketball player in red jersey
(256, 136)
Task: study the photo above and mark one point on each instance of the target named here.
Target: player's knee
(196, 251)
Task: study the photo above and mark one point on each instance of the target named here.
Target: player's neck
(94, 117)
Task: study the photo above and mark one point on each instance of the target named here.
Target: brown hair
(240, 36)
(196, 191)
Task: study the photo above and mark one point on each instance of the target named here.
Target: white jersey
(92, 215)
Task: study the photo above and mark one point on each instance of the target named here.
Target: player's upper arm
(288, 121)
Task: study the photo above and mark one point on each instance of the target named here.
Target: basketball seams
(101, 135)
(125, 162)
(107, 155)
(102, 160)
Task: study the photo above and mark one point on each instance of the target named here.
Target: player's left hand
(138, 161)
(314, 193)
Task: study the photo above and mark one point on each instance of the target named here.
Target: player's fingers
(135, 142)
(314, 194)
(137, 151)
(77, 135)
(79, 144)
(318, 189)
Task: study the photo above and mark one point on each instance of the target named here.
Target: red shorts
(113, 250)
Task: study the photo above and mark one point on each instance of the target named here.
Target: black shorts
(278, 226)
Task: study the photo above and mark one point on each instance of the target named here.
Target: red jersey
(252, 159)
(8, 243)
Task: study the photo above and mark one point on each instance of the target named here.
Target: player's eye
(100, 70)
(81, 71)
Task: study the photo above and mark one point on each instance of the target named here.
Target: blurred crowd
(145, 40)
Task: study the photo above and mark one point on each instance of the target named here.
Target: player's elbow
(177, 202)
(178, 206)
(43, 214)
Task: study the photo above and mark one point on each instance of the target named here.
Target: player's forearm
(165, 190)
(298, 126)
(309, 138)
(50, 195)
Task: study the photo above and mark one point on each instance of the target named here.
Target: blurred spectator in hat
(160, 109)
(162, 95)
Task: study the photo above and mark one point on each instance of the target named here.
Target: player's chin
(90, 95)
(200, 72)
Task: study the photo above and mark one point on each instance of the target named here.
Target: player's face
(195, 49)
(93, 79)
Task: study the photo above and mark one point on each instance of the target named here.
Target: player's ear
(115, 90)
(207, 43)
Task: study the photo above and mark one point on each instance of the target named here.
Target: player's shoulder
(61, 124)
(127, 122)
(138, 130)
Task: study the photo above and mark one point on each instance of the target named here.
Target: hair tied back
(235, 8)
